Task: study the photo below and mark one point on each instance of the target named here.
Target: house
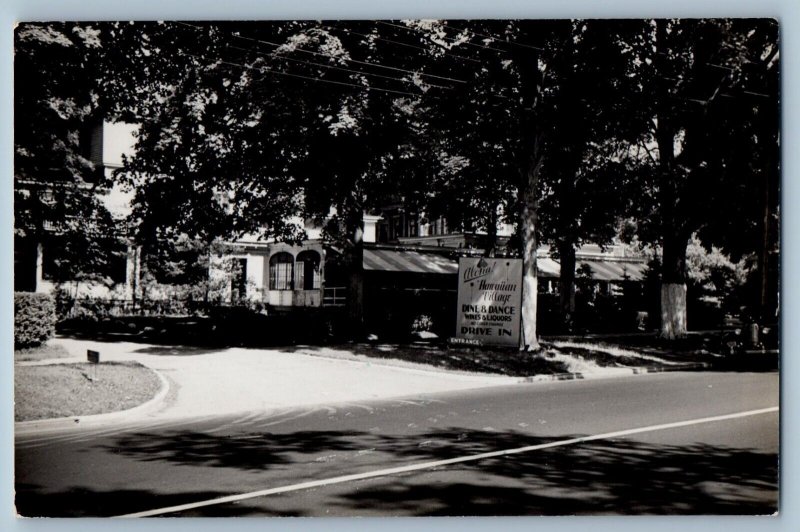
(408, 260)
(38, 266)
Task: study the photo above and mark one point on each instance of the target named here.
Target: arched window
(308, 275)
(280, 271)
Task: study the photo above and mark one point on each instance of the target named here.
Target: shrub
(91, 310)
(65, 302)
(34, 319)
(422, 322)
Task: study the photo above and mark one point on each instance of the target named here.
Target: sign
(489, 301)
(93, 356)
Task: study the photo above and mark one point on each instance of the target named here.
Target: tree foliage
(707, 112)
(58, 185)
(559, 127)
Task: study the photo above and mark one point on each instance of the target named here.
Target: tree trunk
(354, 262)
(528, 223)
(673, 267)
(566, 285)
(491, 234)
(673, 288)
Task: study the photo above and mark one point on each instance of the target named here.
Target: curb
(506, 379)
(619, 372)
(61, 423)
(463, 376)
(51, 361)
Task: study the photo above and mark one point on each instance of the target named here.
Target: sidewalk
(224, 381)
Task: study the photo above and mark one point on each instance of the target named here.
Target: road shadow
(496, 361)
(618, 477)
(36, 501)
(178, 350)
(247, 452)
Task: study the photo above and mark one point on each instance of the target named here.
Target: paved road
(636, 460)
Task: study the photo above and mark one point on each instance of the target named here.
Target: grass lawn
(62, 390)
(42, 352)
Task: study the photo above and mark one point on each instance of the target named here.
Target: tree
(586, 167)
(695, 126)
(57, 185)
(248, 127)
(211, 155)
(494, 129)
(531, 130)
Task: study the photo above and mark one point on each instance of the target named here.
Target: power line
(361, 87)
(494, 95)
(333, 67)
(356, 61)
(493, 37)
(408, 28)
(349, 31)
(396, 69)
(311, 78)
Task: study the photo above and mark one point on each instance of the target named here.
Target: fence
(100, 308)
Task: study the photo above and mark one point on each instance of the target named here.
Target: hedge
(34, 319)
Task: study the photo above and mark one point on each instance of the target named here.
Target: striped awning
(547, 267)
(614, 271)
(389, 260)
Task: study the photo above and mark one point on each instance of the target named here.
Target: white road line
(440, 463)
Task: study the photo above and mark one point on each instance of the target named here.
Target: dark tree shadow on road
(600, 477)
(36, 501)
(623, 478)
(178, 350)
(247, 452)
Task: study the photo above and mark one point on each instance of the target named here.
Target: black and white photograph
(397, 267)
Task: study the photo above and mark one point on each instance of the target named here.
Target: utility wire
(493, 37)
(356, 61)
(396, 69)
(494, 95)
(408, 28)
(311, 78)
(333, 67)
(414, 46)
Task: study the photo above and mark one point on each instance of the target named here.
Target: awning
(546, 267)
(614, 271)
(389, 260)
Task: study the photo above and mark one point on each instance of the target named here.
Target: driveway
(206, 382)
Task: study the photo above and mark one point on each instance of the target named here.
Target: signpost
(489, 301)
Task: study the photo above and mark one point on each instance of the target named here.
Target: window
(280, 271)
(308, 271)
